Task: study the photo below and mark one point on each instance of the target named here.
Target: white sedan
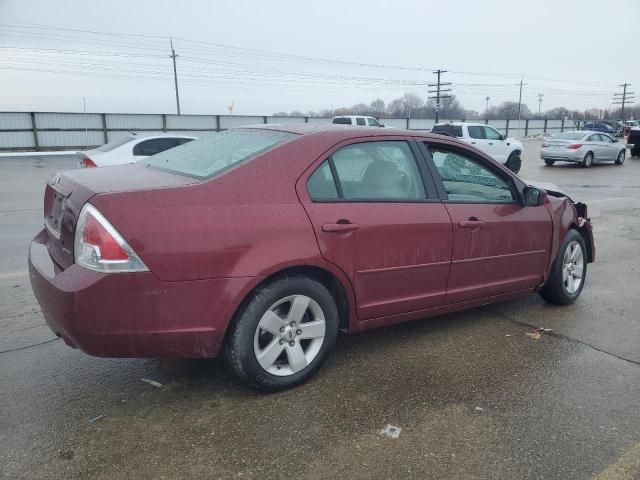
(583, 147)
(130, 149)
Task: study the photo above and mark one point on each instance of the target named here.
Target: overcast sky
(271, 56)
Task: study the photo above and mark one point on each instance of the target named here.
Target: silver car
(584, 147)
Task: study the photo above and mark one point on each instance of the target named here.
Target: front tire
(587, 161)
(620, 159)
(283, 334)
(514, 162)
(568, 272)
(549, 163)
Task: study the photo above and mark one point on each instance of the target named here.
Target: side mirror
(533, 196)
(503, 137)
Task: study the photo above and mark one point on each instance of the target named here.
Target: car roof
(353, 116)
(458, 124)
(340, 132)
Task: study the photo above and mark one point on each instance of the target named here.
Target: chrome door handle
(472, 223)
(340, 227)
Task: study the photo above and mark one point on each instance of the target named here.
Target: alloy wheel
(572, 267)
(289, 335)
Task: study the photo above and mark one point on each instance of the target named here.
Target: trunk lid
(67, 192)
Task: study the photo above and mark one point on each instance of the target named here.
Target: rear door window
(446, 129)
(378, 171)
(360, 121)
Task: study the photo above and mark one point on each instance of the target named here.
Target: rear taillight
(574, 146)
(87, 163)
(99, 246)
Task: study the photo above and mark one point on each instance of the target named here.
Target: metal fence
(70, 131)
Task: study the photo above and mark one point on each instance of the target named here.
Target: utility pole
(439, 91)
(520, 101)
(175, 74)
(623, 98)
(487, 109)
(540, 97)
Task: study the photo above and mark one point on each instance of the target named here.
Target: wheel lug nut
(298, 332)
(292, 343)
(281, 329)
(281, 342)
(293, 324)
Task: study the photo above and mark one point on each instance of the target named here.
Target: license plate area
(54, 219)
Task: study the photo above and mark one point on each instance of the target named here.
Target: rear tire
(620, 159)
(568, 272)
(587, 161)
(549, 163)
(635, 151)
(514, 162)
(277, 339)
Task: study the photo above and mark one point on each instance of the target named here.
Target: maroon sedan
(261, 243)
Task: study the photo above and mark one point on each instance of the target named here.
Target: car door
(609, 146)
(594, 143)
(499, 245)
(377, 217)
(496, 146)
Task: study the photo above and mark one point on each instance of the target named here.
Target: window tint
(465, 180)
(321, 185)
(378, 171)
(373, 122)
(593, 138)
(492, 133)
(360, 121)
(214, 153)
(476, 132)
(342, 121)
(446, 129)
(155, 145)
(182, 141)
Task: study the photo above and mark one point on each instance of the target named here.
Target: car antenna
(132, 132)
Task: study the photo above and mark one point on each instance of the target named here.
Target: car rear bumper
(132, 314)
(563, 155)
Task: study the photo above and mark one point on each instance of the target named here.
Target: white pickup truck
(505, 150)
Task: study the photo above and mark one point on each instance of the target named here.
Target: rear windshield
(214, 153)
(115, 144)
(342, 121)
(446, 129)
(568, 136)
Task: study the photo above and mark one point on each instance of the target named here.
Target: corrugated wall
(81, 130)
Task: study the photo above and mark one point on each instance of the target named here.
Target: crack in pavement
(29, 346)
(563, 336)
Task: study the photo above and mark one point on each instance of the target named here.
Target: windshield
(214, 153)
(115, 144)
(568, 136)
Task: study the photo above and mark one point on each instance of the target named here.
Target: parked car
(628, 125)
(356, 121)
(261, 243)
(582, 147)
(633, 141)
(599, 127)
(129, 149)
(507, 151)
